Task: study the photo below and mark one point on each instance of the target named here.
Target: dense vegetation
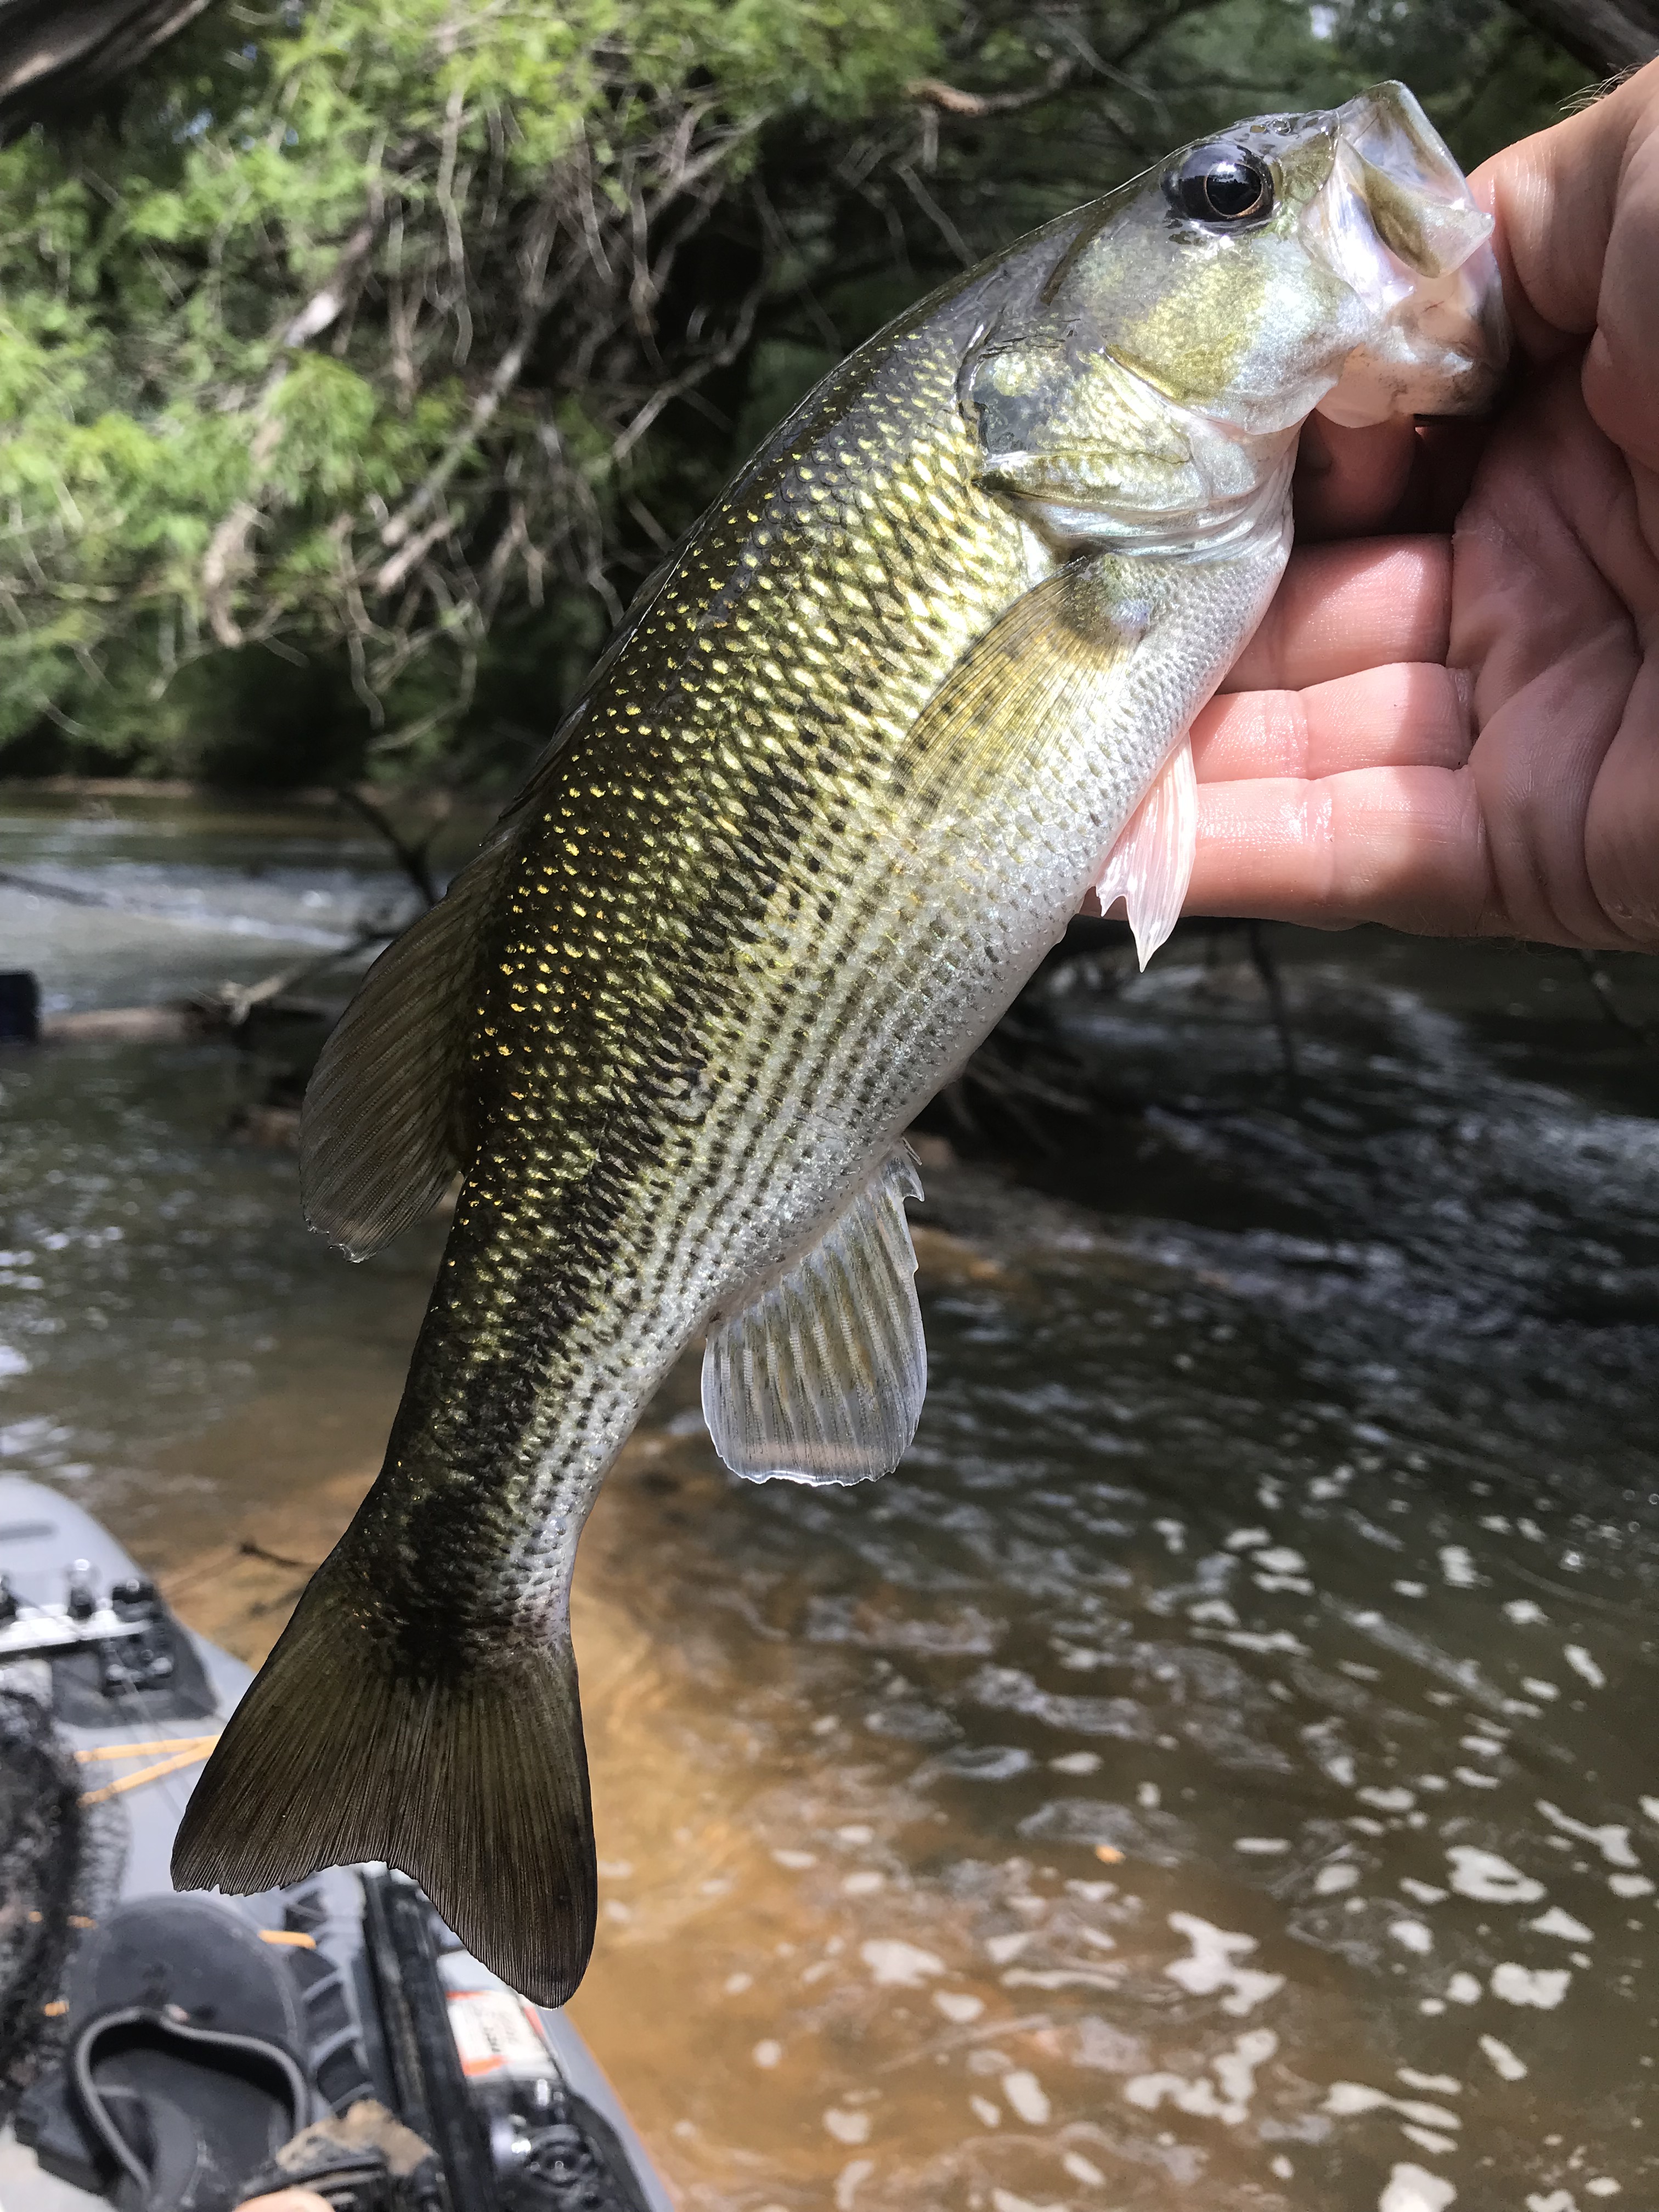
(359, 362)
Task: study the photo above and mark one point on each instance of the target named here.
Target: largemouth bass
(918, 681)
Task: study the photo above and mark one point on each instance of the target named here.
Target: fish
(918, 680)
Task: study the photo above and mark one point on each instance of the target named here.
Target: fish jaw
(1397, 223)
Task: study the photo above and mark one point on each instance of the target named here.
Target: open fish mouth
(1396, 221)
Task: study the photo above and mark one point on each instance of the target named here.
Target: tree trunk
(1605, 35)
(56, 55)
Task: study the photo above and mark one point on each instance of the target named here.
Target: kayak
(192, 2051)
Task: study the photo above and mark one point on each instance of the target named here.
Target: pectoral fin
(821, 1379)
(1151, 865)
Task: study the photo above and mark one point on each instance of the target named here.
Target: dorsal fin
(383, 1129)
(382, 1132)
(821, 1378)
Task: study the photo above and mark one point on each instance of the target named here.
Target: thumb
(1577, 209)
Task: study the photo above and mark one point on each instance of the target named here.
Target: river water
(1220, 1769)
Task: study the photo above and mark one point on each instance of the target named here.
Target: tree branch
(951, 99)
(1608, 36)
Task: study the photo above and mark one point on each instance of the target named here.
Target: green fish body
(858, 754)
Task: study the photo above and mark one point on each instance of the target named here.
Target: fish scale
(853, 761)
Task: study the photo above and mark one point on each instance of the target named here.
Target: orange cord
(138, 1750)
(150, 1773)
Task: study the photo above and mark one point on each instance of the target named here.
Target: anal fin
(1151, 865)
(821, 1379)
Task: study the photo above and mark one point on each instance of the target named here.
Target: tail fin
(474, 1780)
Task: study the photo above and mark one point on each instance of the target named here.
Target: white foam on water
(1581, 1663)
(1504, 2063)
(1236, 2068)
(1346, 2100)
(1412, 2188)
(1611, 1840)
(896, 1965)
(1026, 2097)
(1555, 1922)
(1542, 1987)
(1213, 1965)
(846, 2181)
(1492, 1880)
(1387, 1801)
(1235, 2071)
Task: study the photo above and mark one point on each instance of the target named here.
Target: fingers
(1414, 714)
(1398, 845)
(1558, 594)
(1344, 608)
(1621, 834)
(1620, 378)
(1577, 214)
(1556, 197)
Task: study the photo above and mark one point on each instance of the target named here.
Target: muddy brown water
(1219, 1768)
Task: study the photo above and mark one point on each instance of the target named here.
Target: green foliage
(354, 374)
(280, 355)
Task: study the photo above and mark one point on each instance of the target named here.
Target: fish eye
(1222, 184)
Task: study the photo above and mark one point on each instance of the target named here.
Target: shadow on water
(1219, 1768)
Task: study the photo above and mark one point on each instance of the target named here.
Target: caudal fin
(470, 1777)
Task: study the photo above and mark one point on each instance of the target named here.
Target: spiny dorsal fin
(821, 1379)
(381, 1136)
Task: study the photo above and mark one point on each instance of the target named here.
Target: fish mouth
(1396, 222)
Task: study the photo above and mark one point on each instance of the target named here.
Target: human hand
(1457, 732)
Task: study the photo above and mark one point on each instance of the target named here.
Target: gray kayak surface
(58, 1562)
